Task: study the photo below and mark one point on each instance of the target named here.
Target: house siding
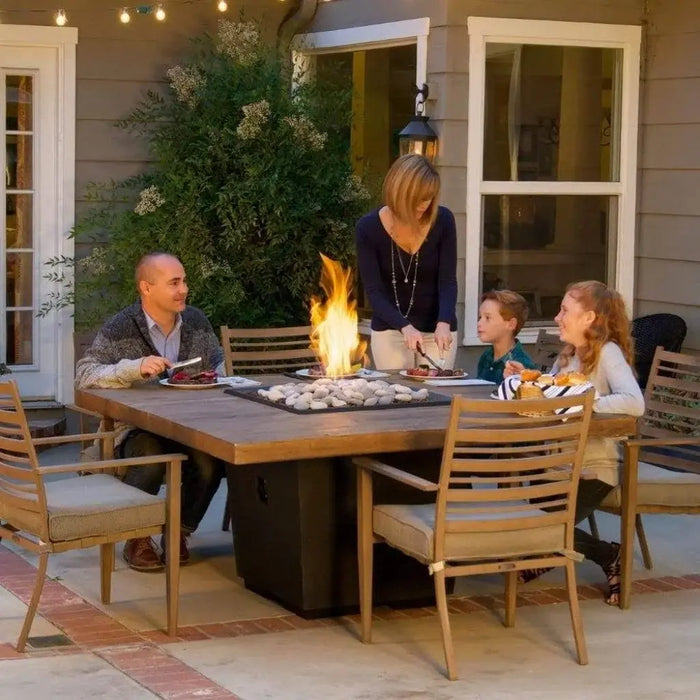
(448, 76)
(668, 252)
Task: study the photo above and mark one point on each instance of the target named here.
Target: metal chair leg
(226, 521)
(593, 525)
(643, 544)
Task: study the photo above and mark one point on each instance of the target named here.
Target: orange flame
(334, 338)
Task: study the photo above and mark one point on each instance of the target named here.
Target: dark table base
(294, 532)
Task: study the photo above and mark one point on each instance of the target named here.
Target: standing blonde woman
(407, 257)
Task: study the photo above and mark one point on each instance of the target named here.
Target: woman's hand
(512, 367)
(412, 337)
(443, 336)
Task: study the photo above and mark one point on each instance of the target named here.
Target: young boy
(501, 316)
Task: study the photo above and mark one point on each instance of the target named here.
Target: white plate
(417, 378)
(456, 381)
(371, 374)
(220, 381)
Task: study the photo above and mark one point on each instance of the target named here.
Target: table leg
(629, 507)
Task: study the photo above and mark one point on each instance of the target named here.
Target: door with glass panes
(32, 227)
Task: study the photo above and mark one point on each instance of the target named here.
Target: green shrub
(250, 181)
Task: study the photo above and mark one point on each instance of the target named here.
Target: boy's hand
(512, 367)
(443, 336)
(412, 337)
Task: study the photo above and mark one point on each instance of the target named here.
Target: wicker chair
(649, 332)
(46, 516)
(546, 350)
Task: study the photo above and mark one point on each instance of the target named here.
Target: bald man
(138, 345)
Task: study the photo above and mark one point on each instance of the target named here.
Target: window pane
(536, 245)
(550, 113)
(18, 175)
(18, 98)
(19, 279)
(19, 337)
(18, 220)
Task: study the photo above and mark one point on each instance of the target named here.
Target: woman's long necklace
(406, 271)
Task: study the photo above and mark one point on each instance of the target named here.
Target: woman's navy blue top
(435, 297)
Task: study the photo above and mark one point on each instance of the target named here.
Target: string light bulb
(124, 16)
(222, 6)
(61, 18)
(159, 13)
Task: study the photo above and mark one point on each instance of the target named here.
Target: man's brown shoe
(184, 551)
(140, 554)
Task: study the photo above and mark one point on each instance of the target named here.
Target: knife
(427, 357)
(185, 363)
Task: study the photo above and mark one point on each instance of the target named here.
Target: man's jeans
(201, 473)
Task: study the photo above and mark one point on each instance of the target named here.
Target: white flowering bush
(249, 181)
(255, 117)
(149, 200)
(185, 82)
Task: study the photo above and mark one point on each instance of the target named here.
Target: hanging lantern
(418, 136)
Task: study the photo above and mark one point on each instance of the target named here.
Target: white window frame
(371, 36)
(483, 30)
(305, 48)
(62, 40)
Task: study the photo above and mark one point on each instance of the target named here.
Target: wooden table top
(240, 431)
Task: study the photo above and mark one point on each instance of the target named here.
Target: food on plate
(528, 390)
(425, 371)
(546, 380)
(570, 379)
(530, 375)
(207, 377)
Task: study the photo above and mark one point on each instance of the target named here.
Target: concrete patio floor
(234, 643)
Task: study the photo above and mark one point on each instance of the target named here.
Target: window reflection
(18, 220)
(536, 245)
(551, 113)
(19, 328)
(18, 102)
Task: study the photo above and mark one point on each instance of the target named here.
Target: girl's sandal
(527, 575)
(612, 573)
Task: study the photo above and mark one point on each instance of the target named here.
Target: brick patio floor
(144, 657)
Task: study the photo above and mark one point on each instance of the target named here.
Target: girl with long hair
(594, 326)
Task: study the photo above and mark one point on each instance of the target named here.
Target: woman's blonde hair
(611, 324)
(411, 180)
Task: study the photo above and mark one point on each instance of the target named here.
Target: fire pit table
(292, 488)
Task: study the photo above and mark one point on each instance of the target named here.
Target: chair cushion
(659, 487)
(410, 528)
(99, 504)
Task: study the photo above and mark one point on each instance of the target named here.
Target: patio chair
(45, 516)
(486, 529)
(546, 350)
(666, 330)
(261, 350)
(668, 445)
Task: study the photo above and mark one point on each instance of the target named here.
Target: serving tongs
(427, 357)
